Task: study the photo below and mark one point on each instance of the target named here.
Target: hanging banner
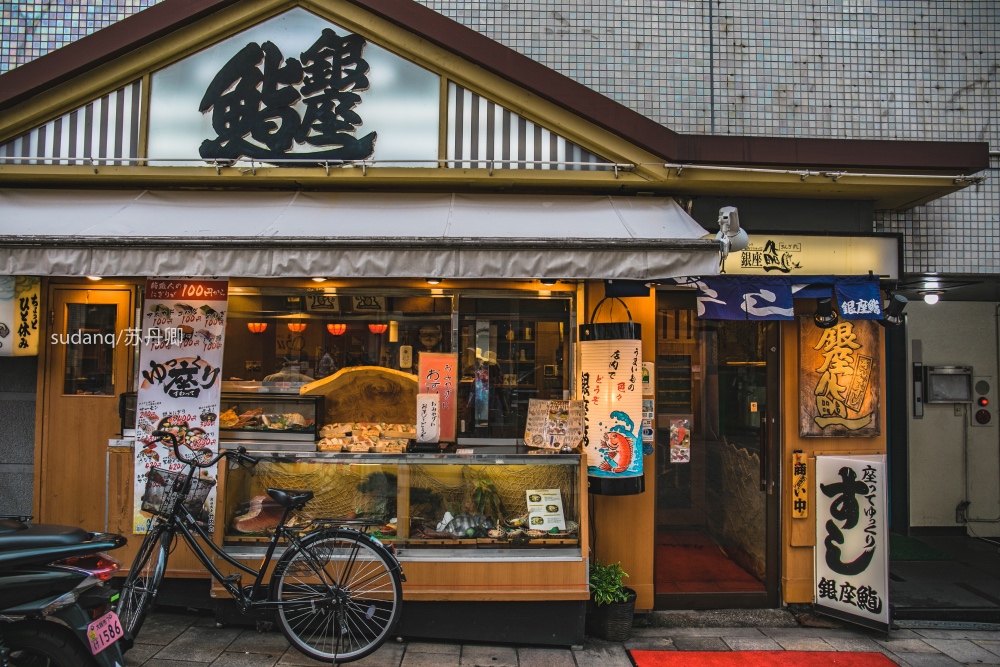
(852, 554)
(611, 389)
(19, 303)
(180, 364)
(839, 379)
(436, 375)
(800, 488)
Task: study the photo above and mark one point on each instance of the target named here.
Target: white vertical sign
(852, 544)
(428, 417)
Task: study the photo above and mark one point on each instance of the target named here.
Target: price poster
(436, 375)
(545, 509)
(180, 366)
(554, 424)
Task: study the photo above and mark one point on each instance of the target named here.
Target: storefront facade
(441, 196)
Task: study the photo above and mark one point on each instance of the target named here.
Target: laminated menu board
(554, 424)
(545, 509)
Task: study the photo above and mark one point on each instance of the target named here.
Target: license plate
(104, 632)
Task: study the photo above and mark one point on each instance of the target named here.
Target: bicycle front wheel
(339, 595)
(143, 581)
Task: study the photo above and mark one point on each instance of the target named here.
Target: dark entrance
(716, 463)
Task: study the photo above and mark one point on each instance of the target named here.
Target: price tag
(104, 632)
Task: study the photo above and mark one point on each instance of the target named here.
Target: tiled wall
(898, 69)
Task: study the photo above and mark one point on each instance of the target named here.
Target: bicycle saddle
(288, 498)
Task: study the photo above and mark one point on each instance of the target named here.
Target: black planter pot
(611, 622)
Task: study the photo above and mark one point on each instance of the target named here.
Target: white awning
(348, 235)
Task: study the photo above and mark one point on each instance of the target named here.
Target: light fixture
(296, 327)
(377, 328)
(730, 237)
(257, 327)
(336, 329)
(433, 281)
(931, 297)
(95, 278)
(825, 316)
(547, 281)
(892, 315)
(319, 279)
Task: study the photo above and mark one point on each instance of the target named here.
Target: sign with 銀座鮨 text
(839, 379)
(852, 559)
(180, 368)
(19, 316)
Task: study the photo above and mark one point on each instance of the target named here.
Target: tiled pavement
(173, 639)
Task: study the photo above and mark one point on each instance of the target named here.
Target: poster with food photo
(180, 366)
(545, 510)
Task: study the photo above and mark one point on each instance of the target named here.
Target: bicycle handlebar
(240, 455)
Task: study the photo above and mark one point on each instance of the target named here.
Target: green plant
(487, 499)
(606, 583)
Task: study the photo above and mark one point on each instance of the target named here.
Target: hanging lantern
(336, 329)
(296, 327)
(257, 327)
(378, 328)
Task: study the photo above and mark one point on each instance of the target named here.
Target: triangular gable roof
(166, 17)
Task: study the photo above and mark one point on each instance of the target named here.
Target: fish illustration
(618, 444)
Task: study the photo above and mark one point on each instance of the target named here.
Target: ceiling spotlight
(433, 281)
(825, 316)
(319, 279)
(930, 298)
(892, 315)
(547, 281)
(95, 278)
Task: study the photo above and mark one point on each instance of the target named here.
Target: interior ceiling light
(433, 281)
(319, 279)
(825, 316)
(257, 327)
(378, 328)
(296, 327)
(931, 297)
(892, 315)
(548, 281)
(336, 329)
(94, 278)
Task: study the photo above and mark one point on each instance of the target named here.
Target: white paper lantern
(610, 384)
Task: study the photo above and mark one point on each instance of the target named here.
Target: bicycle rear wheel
(339, 596)
(139, 591)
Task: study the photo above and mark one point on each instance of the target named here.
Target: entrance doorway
(716, 466)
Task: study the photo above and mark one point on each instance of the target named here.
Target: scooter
(55, 604)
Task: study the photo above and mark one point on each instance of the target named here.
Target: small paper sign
(800, 487)
(545, 510)
(428, 418)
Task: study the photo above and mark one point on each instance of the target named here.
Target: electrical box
(947, 384)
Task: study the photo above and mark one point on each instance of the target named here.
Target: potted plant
(609, 612)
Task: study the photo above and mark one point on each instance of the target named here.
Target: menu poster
(180, 364)
(554, 424)
(436, 375)
(19, 302)
(428, 418)
(680, 440)
(545, 510)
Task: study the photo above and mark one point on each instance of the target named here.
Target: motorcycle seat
(11, 525)
(41, 536)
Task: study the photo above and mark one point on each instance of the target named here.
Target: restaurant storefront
(385, 196)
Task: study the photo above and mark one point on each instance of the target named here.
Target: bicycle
(336, 591)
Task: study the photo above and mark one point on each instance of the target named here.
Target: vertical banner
(428, 418)
(19, 303)
(800, 487)
(852, 544)
(436, 375)
(839, 379)
(611, 388)
(180, 366)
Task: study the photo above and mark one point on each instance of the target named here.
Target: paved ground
(187, 639)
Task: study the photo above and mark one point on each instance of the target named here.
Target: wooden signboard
(839, 379)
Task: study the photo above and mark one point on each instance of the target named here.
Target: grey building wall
(860, 69)
(18, 377)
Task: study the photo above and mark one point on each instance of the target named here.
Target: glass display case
(496, 498)
(249, 415)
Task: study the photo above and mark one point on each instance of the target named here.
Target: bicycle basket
(159, 488)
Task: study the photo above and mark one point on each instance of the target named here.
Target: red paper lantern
(336, 329)
(296, 327)
(378, 328)
(257, 327)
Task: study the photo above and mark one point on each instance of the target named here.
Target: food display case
(254, 416)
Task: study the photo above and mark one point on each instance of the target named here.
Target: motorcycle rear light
(100, 565)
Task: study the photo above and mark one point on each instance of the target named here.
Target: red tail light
(98, 565)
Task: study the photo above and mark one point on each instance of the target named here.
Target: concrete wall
(18, 377)
(954, 334)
